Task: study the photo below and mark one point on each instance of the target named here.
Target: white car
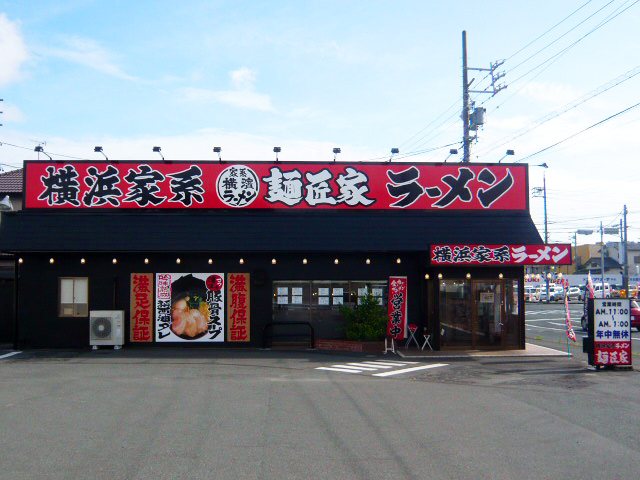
(574, 293)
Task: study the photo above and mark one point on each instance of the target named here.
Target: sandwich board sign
(611, 332)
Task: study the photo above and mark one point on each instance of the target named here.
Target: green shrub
(365, 322)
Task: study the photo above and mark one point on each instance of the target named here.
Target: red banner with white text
(397, 310)
(459, 254)
(265, 185)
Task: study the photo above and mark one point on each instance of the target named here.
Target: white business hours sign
(612, 331)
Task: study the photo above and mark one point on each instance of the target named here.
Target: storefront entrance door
(472, 313)
(487, 317)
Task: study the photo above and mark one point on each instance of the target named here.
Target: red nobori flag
(397, 312)
(570, 332)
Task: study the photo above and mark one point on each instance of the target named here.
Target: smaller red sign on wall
(141, 311)
(397, 311)
(239, 307)
(477, 254)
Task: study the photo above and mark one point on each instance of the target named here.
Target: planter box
(350, 346)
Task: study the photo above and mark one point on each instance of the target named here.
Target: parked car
(531, 293)
(574, 293)
(635, 315)
(598, 290)
(556, 293)
(583, 289)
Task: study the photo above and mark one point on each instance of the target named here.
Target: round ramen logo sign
(238, 186)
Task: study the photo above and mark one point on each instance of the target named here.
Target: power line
(552, 59)
(580, 132)
(548, 30)
(605, 87)
(560, 37)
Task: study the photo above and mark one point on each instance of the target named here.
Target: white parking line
(545, 328)
(341, 369)
(7, 355)
(359, 365)
(391, 364)
(410, 369)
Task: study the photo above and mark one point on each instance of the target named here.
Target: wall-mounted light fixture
(336, 261)
(39, 149)
(114, 261)
(452, 151)
(277, 150)
(218, 150)
(304, 261)
(394, 151)
(508, 153)
(468, 275)
(146, 261)
(159, 152)
(210, 261)
(368, 261)
(51, 261)
(426, 276)
(241, 261)
(178, 261)
(398, 261)
(273, 261)
(99, 150)
(20, 261)
(439, 276)
(500, 276)
(336, 151)
(83, 261)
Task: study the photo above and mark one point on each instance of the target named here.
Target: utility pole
(602, 257)
(471, 120)
(466, 141)
(546, 234)
(625, 260)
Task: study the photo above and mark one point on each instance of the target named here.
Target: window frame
(74, 305)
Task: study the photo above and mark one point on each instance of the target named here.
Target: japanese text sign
(189, 307)
(262, 185)
(458, 254)
(141, 308)
(612, 331)
(397, 310)
(238, 307)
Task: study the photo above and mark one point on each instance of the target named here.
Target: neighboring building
(10, 200)
(442, 246)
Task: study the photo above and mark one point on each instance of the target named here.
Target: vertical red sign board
(141, 308)
(239, 307)
(397, 311)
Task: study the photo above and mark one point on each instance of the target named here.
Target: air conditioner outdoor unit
(106, 327)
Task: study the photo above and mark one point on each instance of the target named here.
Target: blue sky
(307, 76)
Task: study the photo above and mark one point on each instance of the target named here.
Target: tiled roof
(11, 182)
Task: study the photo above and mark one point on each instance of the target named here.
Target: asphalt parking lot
(273, 414)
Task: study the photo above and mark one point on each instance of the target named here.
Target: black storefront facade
(301, 263)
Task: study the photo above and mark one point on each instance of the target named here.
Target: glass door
(488, 313)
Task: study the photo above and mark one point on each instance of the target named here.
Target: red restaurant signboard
(265, 185)
(458, 254)
(239, 307)
(141, 307)
(397, 311)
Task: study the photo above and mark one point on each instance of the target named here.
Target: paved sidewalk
(530, 350)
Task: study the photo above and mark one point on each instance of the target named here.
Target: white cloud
(11, 114)
(242, 95)
(87, 52)
(14, 51)
(236, 98)
(243, 78)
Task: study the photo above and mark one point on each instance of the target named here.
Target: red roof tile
(11, 182)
